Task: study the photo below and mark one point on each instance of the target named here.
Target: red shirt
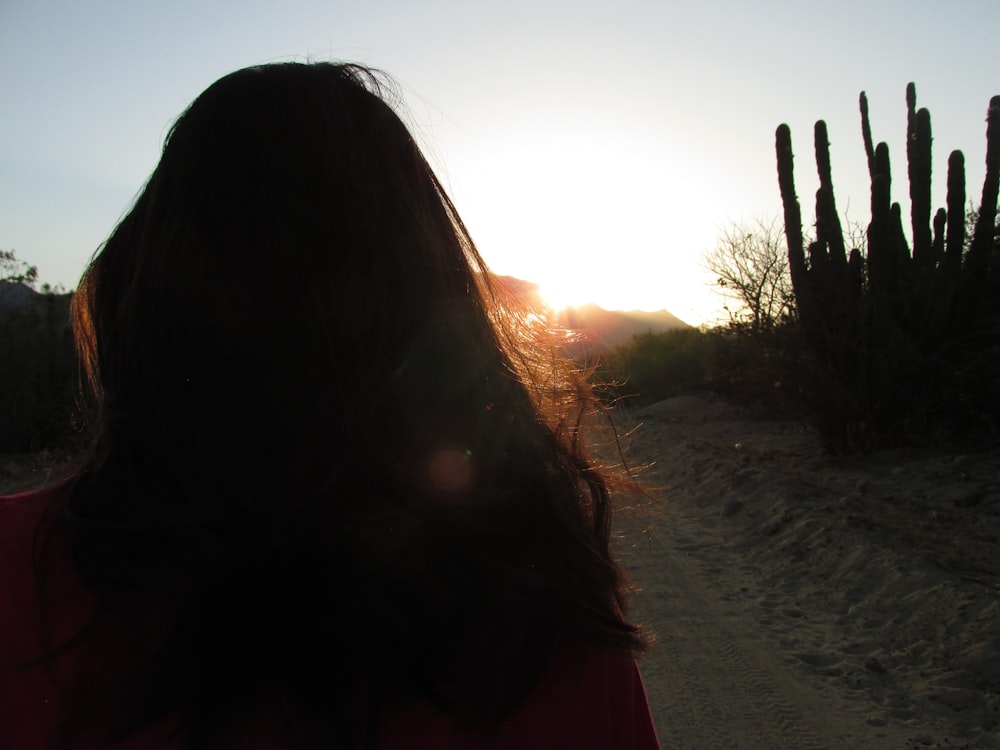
(586, 700)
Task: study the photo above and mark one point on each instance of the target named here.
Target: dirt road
(779, 623)
(715, 679)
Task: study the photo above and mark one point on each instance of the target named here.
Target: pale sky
(597, 149)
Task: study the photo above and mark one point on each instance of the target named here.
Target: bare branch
(750, 263)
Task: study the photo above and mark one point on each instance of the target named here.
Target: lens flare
(450, 470)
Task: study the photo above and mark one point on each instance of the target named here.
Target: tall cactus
(897, 332)
(918, 158)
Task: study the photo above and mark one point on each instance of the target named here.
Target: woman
(332, 497)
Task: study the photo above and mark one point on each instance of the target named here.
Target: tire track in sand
(716, 678)
(710, 684)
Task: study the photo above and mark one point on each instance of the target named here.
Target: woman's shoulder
(596, 696)
(29, 701)
(39, 586)
(27, 506)
(20, 518)
(27, 501)
(589, 698)
(24, 519)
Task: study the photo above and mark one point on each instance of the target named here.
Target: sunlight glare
(561, 294)
(608, 217)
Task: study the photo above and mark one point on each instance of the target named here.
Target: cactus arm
(866, 134)
(982, 238)
(955, 241)
(920, 188)
(828, 227)
(793, 212)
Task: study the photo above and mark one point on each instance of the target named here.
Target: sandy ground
(802, 601)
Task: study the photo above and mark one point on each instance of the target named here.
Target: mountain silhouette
(604, 329)
(15, 295)
(595, 328)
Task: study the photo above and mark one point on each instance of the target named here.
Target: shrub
(655, 366)
(38, 372)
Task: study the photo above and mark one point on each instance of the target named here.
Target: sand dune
(803, 601)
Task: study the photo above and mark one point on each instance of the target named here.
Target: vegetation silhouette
(905, 340)
(879, 345)
(750, 264)
(38, 365)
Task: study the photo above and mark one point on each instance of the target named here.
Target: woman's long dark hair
(329, 475)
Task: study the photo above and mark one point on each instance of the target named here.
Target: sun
(596, 214)
(559, 295)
